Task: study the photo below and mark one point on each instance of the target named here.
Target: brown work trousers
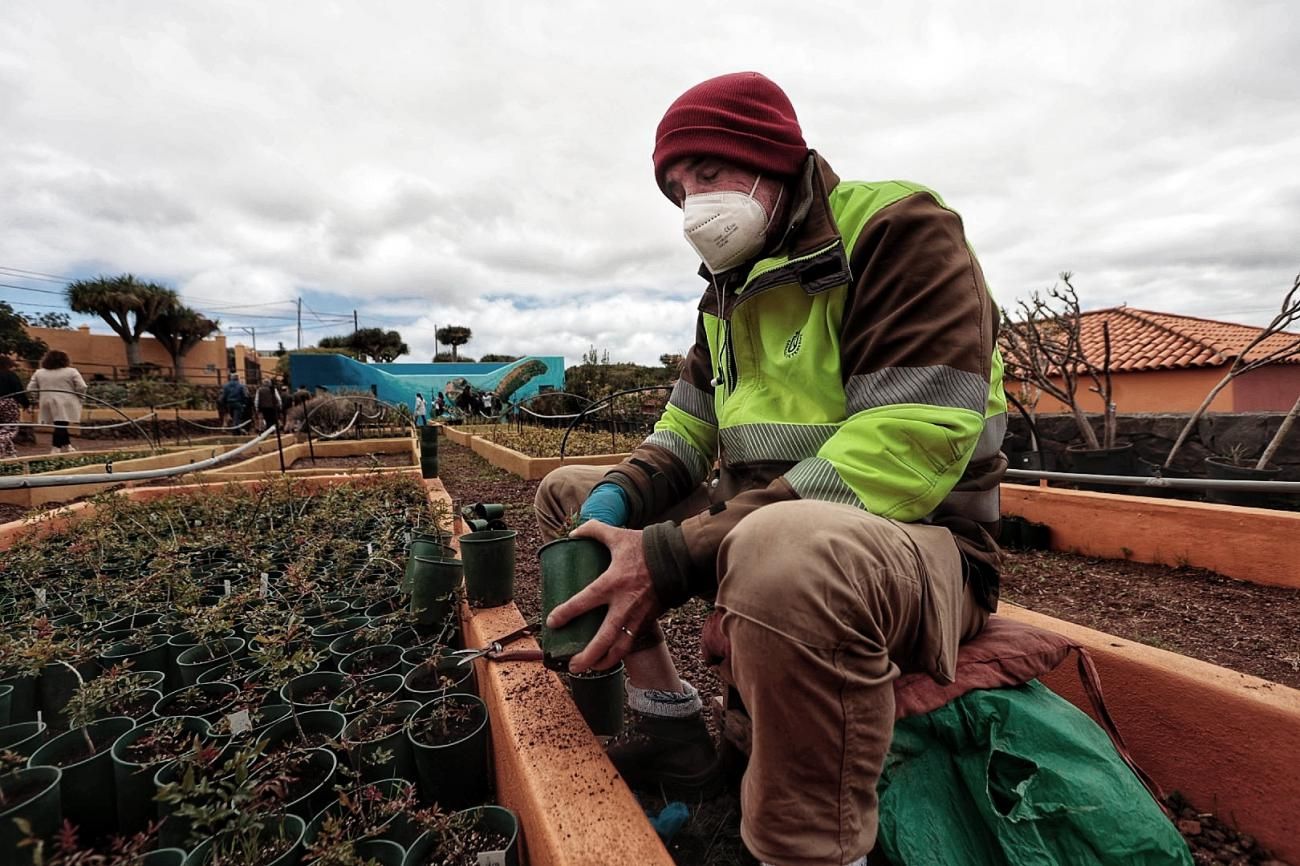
(823, 605)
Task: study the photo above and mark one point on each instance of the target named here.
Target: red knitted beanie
(742, 117)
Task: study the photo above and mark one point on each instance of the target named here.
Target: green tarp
(1016, 777)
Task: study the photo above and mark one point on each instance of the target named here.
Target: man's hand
(625, 587)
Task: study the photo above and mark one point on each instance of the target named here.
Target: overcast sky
(488, 163)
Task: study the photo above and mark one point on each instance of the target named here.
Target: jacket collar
(811, 227)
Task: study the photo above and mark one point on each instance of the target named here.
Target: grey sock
(671, 705)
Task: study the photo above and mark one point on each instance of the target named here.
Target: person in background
(488, 399)
(233, 397)
(439, 405)
(58, 389)
(13, 399)
(420, 410)
(267, 402)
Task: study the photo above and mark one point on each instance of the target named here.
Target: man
(268, 403)
(233, 397)
(846, 385)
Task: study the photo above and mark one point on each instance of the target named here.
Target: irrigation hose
(27, 482)
(1157, 482)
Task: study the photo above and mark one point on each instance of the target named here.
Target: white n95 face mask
(725, 228)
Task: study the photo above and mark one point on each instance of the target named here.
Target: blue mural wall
(398, 383)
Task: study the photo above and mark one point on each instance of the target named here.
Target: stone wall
(1153, 435)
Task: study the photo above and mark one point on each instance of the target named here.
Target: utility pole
(354, 322)
(300, 323)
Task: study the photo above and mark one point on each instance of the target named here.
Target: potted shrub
(379, 810)
(471, 836)
(376, 742)
(449, 738)
(29, 806)
(367, 693)
(137, 756)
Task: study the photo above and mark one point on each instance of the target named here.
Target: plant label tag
(239, 722)
(39, 720)
(40, 597)
(266, 584)
(227, 585)
(407, 536)
(370, 548)
(492, 858)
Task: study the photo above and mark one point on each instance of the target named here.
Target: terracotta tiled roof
(1144, 340)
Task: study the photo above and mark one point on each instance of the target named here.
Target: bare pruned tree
(1044, 348)
(1287, 316)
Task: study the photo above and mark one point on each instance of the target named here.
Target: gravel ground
(1198, 613)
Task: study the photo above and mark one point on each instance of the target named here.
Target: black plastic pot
(433, 589)
(39, 806)
(600, 697)
(199, 658)
(162, 857)
(23, 737)
(324, 764)
(1225, 470)
(6, 703)
(456, 773)
(136, 704)
(86, 789)
(568, 566)
(325, 611)
(494, 819)
(134, 781)
(489, 559)
(1119, 460)
(1017, 533)
(364, 749)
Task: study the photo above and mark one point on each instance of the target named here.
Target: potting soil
(1014, 777)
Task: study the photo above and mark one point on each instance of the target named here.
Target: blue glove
(670, 821)
(606, 503)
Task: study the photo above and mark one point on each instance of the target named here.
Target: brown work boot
(675, 756)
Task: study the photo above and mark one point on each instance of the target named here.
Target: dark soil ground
(1248, 628)
(360, 461)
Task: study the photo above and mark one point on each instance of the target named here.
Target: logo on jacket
(794, 344)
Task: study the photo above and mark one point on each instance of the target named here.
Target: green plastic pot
(489, 558)
(125, 626)
(433, 589)
(162, 857)
(86, 788)
(40, 807)
(22, 701)
(291, 827)
(6, 704)
(315, 723)
(494, 819)
(223, 696)
(325, 765)
(144, 652)
(428, 452)
(382, 659)
(136, 704)
(324, 611)
(199, 658)
(134, 781)
(378, 691)
(23, 737)
(600, 697)
(297, 690)
(568, 566)
(423, 683)
(478, 524)
(396, 761)
(488, 510)
(425, 547)
(397, 829)
(452, 774)
(56, 687)
(327, 632)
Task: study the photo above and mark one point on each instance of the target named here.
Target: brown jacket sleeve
(918, 328)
